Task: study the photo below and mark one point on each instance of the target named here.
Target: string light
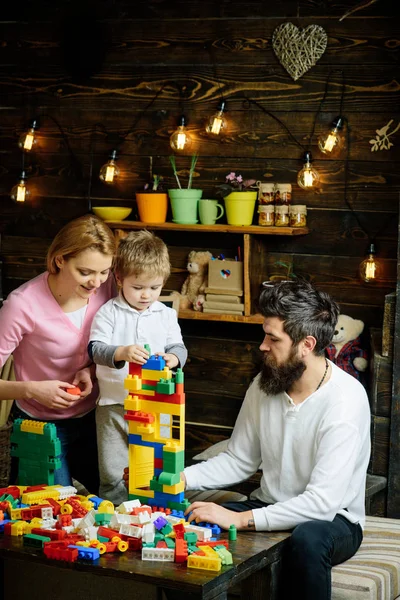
(217, 123)
(370, 268)
(308, 177)
(332, 141)
(110, 171)
(180, 140)
(20, 193)
(28, 139)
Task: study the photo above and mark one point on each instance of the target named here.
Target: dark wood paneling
(148, 10)
(380, 435)
(249, 128)
(381, 376)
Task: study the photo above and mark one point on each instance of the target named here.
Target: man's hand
(208, 512)
(83, 380)
(52, 393)
(132, 353)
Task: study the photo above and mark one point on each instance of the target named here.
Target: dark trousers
(78, 451)
(308, 557)
(310, 553)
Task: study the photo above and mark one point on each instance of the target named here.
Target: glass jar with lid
(283, 193)
(298, 215)
(266, 192)
(282, 216)
(266, 215)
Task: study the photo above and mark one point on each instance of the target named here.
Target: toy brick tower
(155, 411)
(38, 449)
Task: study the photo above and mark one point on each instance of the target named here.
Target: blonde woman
(45, 324)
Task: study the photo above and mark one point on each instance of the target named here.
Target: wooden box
(225, 277)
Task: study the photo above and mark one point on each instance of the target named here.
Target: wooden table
(29, 575)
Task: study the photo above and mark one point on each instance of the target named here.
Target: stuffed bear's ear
(359, 325)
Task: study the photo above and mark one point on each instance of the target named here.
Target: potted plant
(152, 202)
(184, 201)
(239, 199)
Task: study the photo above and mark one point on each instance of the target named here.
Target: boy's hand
(133, 353)
(170, 359)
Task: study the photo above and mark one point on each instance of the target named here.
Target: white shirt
(77, 316)
(117, 323)
(313, 456)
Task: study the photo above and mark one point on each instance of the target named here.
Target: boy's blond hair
(142, 252)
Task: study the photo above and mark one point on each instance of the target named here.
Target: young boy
(119, 332)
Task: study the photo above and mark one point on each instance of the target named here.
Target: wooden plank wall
(95, 67)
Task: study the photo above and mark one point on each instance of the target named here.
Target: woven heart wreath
(298, 50)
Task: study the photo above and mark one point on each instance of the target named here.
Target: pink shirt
(45, 343)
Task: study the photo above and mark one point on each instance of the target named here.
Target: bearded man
(306, 424)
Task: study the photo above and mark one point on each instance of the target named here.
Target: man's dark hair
(303, 310)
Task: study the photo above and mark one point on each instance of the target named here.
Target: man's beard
(275, 378)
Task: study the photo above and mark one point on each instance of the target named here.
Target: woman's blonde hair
(85, 233)
(142, 252)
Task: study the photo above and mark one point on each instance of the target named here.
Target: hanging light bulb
(20, 193)
(217, 123)
(332, 142)
(28, 139)
(370, 268)
(308, 177)
(110, 171)
(180, 140)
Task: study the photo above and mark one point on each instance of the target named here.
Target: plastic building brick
(224, 554)
(232, 533)
(86, 553)
(76, 391)
(36, 541)
(158, 554)
(209, 562)
(36, 445)
(181, 550)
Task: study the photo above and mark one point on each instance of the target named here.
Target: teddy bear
(346, 350)
(195, 283)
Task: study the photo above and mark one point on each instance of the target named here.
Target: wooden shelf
(253, 243)
(200, 316)
(211, 228)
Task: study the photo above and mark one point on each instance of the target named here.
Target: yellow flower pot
(239, 207)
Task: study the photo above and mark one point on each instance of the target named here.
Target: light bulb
(20, 193)
(28, 139)
(110, 171)
(217, 123)
(370, 267)
(308, 177)
(180, 140)
(332, 142)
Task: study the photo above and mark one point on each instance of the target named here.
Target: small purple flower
(239, 179)
(231, 176)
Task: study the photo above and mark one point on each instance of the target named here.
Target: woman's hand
(170, 359)
(209, 512)
(132, 353)
(84, 381)
(52, 393)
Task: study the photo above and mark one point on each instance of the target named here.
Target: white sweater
(313, 456)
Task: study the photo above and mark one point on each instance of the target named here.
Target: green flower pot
(184, 205)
